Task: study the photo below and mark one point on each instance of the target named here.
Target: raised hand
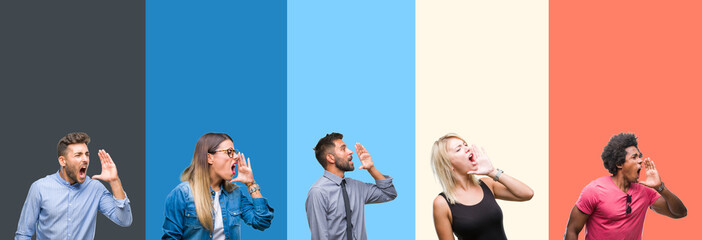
(653, 180)
(480, 161)
(245, 174)
(109, 170)
(364, 156)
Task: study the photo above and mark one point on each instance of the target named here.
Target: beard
(71, 173)
(344, 165)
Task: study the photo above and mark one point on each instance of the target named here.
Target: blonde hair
(441, 164)
(198, 175)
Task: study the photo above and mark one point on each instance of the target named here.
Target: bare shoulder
(489, 183)
(440, 205)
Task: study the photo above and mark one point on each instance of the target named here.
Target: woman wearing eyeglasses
(467, 207)
(207, 204)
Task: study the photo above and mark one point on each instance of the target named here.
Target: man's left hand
(653, 180)
(109, 170)
(364, 156)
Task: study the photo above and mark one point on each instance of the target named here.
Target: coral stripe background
(625, 66)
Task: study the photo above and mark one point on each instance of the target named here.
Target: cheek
(458, 163)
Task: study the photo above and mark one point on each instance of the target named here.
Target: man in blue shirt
(63, 205)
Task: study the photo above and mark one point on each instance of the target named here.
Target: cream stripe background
(482, 72)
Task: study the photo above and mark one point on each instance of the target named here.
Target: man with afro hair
(614, 207)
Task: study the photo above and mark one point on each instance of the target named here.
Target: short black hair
(71, 138)
(614, 154)
(325, 146)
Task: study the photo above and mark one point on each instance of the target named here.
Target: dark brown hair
(326, 146)
(71, 138)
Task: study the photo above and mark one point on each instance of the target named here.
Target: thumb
(97, 177)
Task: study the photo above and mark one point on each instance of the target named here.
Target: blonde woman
(207, 204)
(467, 207)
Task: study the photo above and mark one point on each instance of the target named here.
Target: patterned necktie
(347, 206)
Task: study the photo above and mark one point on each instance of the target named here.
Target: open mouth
(82, 170)
(234, 167)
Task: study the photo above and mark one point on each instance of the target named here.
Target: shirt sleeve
(382, 191)
(117, 210)
(587, 202)
(173, 224)
(315, 206)
(652, 195)
(30, 214)
(255, 211)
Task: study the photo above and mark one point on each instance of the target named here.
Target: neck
(215, 181)
(464, 181)
(336, 171)
(621, 183)
(63, 175)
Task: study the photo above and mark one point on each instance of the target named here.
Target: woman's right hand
(245, 174)
(480, 162)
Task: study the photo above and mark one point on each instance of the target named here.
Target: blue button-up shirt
(181, 218)
(57, 210)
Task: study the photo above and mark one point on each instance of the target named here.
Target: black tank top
(480, 221)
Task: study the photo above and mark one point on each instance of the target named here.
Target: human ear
(62, 161)
(330, 158)
(210, 158)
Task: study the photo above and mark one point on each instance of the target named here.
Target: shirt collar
(62, 181)
(333, 177)
(222, 191)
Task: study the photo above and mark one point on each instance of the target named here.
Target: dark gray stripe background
(71, 66)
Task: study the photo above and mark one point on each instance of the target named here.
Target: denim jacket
(181, 218)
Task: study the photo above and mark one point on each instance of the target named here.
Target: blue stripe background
(351, 70)
(215, 66)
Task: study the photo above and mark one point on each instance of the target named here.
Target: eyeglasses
(628, 204)
(230, 152)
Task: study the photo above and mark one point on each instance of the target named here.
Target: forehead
(339, 143)
(226, 144)
(632, 150)
(77, 147)
(454, 142)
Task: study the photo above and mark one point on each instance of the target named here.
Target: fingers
(476, 151)
(101, 155)
(360, 149)
(242, 160)
(105, 158)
